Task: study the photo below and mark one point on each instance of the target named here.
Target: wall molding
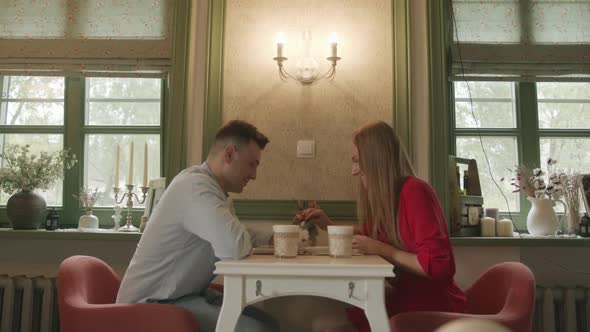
(213, 118)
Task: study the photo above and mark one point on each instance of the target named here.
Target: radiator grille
(28, 304)
(562, 309)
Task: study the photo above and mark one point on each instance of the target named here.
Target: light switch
(305, 149)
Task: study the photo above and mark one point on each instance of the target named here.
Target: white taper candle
(130, 164)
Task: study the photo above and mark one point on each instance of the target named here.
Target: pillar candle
(118, 154)
(492, 213)
(504, 228)
(145, 165)
(488, 227)
(130, 164)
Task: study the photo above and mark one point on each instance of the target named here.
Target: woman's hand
(366, 245)
(315, 215)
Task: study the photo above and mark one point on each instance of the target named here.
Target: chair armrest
(144, 317)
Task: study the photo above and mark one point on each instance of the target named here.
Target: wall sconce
(307, 67)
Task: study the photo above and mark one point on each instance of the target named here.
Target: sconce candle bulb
(334, 44)
(280, 42)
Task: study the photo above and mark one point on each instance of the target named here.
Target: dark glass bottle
(52, 220)
(585, 226)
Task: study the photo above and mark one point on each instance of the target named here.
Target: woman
(403, 222)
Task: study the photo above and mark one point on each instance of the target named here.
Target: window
(32, 112)
(494, 113)
(119, 111)
(90, 116)
(520, 123)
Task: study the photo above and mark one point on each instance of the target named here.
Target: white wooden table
(358, 280)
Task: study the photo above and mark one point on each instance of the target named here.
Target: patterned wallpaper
(327, 111)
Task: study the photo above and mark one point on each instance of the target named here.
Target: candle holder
(131, 195)
(307, 67)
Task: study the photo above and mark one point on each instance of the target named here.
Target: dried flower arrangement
(535, 183)
(572, 186)
(308, 230)
(88, 197)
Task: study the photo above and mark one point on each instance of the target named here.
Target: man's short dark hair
(240, 133)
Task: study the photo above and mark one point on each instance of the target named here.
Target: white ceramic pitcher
(542, 219)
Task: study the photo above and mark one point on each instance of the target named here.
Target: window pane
(571, 153)
(34, 113)
(123, 101)
(503, 155)
(26, 87)
(484, 90)
(564, 105)
(100, 155)
(124, 113)
(32, 100)
(493, 105)
(123, 87)
(38, 142)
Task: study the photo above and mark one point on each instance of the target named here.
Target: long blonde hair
(385, 165)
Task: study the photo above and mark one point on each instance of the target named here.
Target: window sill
(41, 234)
(518, 242)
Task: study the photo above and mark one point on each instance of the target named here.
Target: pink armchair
(87, 290)
(505, 294)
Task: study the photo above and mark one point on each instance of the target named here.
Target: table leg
(375, 306)
(233, 303)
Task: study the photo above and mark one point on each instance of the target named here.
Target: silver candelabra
(131, 195)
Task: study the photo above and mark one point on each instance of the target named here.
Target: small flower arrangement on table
(308, 230)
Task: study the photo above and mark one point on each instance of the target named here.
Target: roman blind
(526, 40)
(92, 37)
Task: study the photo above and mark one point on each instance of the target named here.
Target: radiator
(28, 304)
(560, 309)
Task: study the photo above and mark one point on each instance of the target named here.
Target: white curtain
(86, 37)
(521, 40)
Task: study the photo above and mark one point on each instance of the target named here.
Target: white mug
(340, 240)
(286, 240)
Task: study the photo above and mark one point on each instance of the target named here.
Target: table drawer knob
(258, 287)
(350, 289)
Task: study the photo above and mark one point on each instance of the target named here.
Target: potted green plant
(22, 173)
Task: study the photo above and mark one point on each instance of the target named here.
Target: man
(193, 226)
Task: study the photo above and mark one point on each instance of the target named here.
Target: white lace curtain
(521, 40)
(88, 37)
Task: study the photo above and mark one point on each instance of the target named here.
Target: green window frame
(74, 131)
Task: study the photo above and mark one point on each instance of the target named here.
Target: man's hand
(315, 215)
